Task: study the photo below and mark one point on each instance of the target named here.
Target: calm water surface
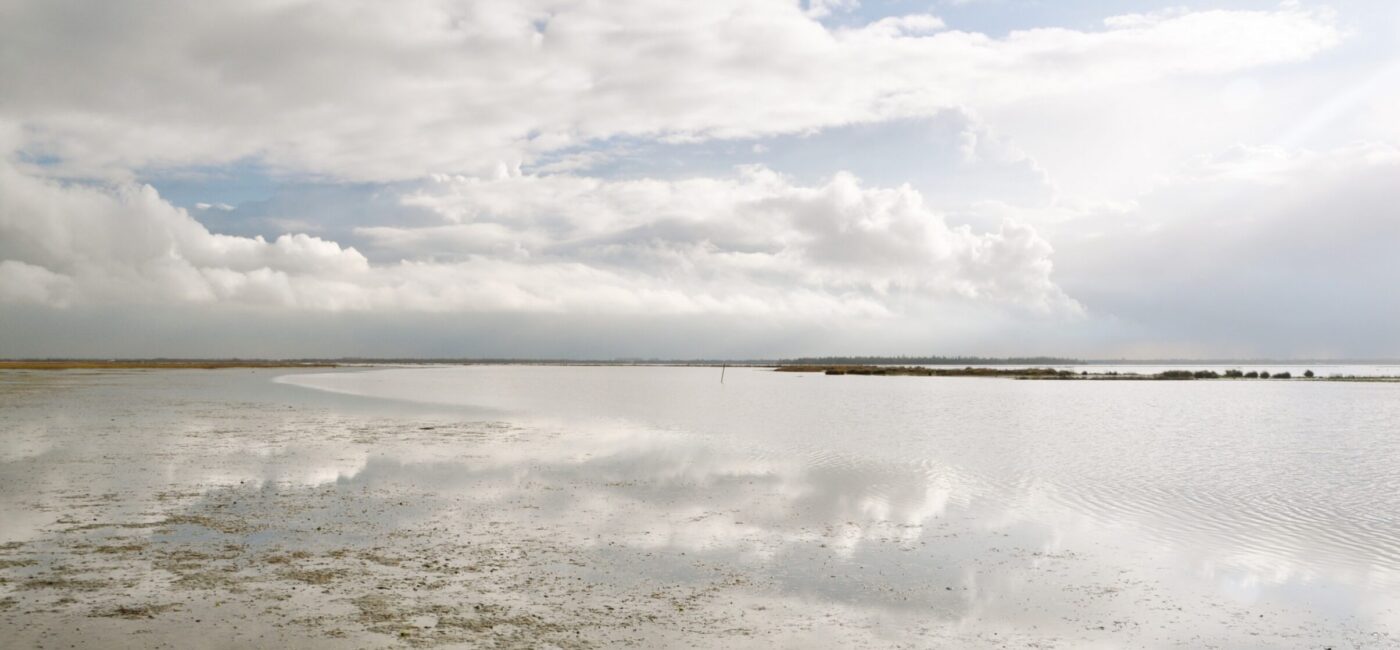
(1286, 492)
(1290, 472)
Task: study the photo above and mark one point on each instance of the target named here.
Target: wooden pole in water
(722, 368)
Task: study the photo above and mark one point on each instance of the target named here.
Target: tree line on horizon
(930, 361)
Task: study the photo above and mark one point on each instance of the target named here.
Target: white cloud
(365, 90)
(824, 8)
(1080, 133)
(907, 25)
(127, 244)
(840, 236)
(20, 282)
(755, 244)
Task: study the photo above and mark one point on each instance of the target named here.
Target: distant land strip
(1039, 361)
(932, 361)
(1071, 375)
(169, 364)
(893, 365)
(211, 363)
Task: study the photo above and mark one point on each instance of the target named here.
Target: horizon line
(832, 359)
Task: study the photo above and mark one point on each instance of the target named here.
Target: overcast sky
(682, 179)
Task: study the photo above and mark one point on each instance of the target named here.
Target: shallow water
(659, 506)
(1295, 369)
(1285, 468)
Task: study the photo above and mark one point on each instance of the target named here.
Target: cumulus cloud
(373, 91)
(20, 282)
(75, 243)
(824, 8)
(751, 245)
(750, 164)
(840, 235)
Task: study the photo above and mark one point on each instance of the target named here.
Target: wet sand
(197, 509)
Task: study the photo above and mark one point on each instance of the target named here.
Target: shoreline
(1025, 373)
(157, 364)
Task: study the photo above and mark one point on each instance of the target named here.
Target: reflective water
(1283, 469)
(1294, 484)
(1296, 369)
(772, 509)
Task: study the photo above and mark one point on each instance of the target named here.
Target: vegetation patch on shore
(1052, 373)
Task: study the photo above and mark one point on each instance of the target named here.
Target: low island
(1061, 374)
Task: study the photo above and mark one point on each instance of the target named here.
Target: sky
(720, 179)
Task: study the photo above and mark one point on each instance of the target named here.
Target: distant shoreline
(891, 364)
(1049, 373)
(154, 364)
(1052, 374)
